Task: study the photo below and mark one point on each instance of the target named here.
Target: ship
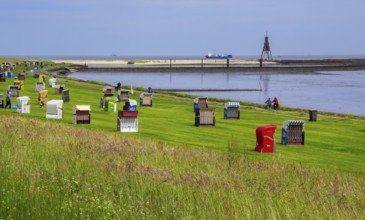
(218, 56)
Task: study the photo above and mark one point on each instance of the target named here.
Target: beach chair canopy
(232, 104)
(23, 100)
(288, 123)
(196, 100)
(82, 108)
(145, 94)
(108, 89)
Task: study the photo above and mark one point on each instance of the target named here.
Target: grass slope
(52, 169)
(103, 175)
(331, 142)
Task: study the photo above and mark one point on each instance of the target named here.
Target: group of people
(272, 103)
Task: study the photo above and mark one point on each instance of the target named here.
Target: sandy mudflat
(159, 62)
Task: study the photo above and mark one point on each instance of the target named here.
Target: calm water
(338, 91)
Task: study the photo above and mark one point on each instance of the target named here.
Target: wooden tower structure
(266, 52)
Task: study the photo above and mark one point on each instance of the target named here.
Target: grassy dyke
(51, 170)
(335, 143)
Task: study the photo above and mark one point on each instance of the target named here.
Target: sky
(181, 27)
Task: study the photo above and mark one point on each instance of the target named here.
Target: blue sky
(181, 27)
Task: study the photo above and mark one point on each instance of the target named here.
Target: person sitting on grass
(276, 103)
(268, 103)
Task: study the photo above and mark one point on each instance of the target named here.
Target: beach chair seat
(205, 116)
(19, 83)
(14, 91)
(52, 82)
(123, 94)
(145, 99)
(81, 114)
(1, 100)
(127, 121)
(66, 96)
(21, 76)
(39, 86)
(23, 105)
(43, 96)
(2, 77)
(293, 132)
(54, 109)
(231, 110)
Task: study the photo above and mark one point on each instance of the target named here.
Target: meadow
(172, 169)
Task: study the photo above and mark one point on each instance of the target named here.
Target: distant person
(8, 100)
(268, 103)
(149, 89)
(118, 86)
(276, 103)
(101, 102)
(118, 98)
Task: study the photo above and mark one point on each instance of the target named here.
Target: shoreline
(286, 66)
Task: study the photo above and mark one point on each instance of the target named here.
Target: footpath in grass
(330, 143)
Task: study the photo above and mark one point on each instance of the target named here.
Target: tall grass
(55, 171)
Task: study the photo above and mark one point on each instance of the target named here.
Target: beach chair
(39, 86)
(1, 100)
(2, 77)
(145, 99)
(127, 121)
(10, 74)
(65, 96)
(108, 90)
(54, 109)
(231, 110)
(43, 96)
(14, 91)
(110, 104)
(52, 82)
(58, 89)
(293, 132)
(130, 104)
(204, 117)
(265, 141)
(42, 78)
(19, 83)
(23, 105)
(81, 114)
(21, 76)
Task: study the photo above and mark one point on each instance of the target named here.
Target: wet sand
(211, 65)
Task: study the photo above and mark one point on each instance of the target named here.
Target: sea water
(335, 91)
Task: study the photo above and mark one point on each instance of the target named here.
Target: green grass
(331, 142)
(170, 169)
(137, 61)
(54, 171)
